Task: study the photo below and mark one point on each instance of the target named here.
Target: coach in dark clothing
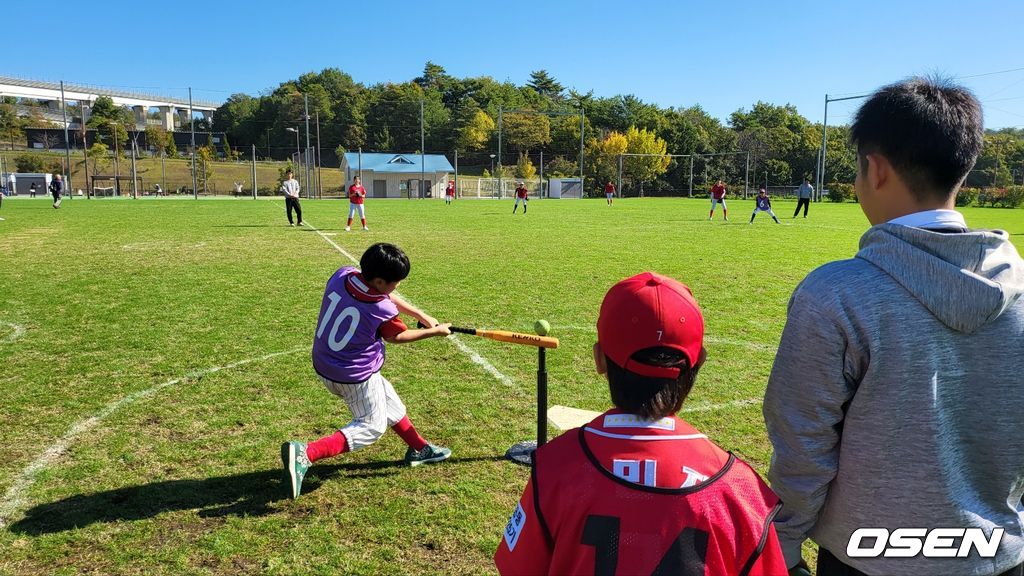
(56, 187)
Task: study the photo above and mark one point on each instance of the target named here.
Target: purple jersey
(347, 346)
(763, 203)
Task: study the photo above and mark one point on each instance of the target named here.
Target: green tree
(545, 85)
(559, 166)
(644, 168)
(172, 149)
(524, 132)
(10, 123)
(98, 154)
(603, 157)
(111, 120)
(475, 133)
(525, 167)
(157, 138)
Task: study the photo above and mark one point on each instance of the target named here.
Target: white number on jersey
(630, 470)
(351, 313)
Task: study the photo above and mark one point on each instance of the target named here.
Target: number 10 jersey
(347, 346)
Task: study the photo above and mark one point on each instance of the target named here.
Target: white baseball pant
(375, 407)
(352, 210)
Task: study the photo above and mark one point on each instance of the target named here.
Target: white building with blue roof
(390, 175)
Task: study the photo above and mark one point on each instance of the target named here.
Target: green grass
(108, 298)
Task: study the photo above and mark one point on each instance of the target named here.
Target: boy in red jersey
(356, 194)
(609, 192)
(522, 195)
(449, 192)
(718, 196)
(638, 490)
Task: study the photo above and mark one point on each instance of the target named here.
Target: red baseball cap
(646, 311)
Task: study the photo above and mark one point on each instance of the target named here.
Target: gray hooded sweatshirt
(897, 398)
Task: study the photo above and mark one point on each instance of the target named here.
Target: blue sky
(720, 55)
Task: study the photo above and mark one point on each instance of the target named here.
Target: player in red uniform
(522, 195)
(718, 195)
(609, 192)
(356, 194)
(638, 490)
(449, 192)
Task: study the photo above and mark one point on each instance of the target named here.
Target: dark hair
(647, 397)
(928, 128)
(384, 261)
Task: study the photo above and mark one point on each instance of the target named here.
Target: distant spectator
(804, 193)
(158, 191)
(290, 189)
(32, 190)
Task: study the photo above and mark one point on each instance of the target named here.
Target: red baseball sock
(407, 431)
(349, 223)
(364, 222)
(327, 446)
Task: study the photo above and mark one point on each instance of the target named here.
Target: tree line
(775, 144)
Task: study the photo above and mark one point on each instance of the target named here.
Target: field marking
(15, 496)
(16, 332)
(707, 338)
(454, 339)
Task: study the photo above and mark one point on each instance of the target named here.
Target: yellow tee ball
(541, 327)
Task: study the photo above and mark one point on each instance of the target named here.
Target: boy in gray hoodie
(897, 395)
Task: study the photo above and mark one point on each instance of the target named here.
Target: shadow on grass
(250, 226)
(249, 494)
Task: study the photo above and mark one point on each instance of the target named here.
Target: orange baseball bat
(506, 336)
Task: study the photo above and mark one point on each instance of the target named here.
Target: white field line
(454, 339)
(14, 499)
(16, 332)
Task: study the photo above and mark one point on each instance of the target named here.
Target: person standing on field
(895, 398)
(804, 194)
(449, 192)
(56, 188)
(290, 188)
(356, 194)
(609, 192)
(522, 195)
(718, 192)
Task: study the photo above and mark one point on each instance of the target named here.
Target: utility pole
(319, 162)
(67, 142)
(192, 125)
(499, 152)
(309, 189)
(423, 161)
(117, 169)
(135, 181)
(253, 171)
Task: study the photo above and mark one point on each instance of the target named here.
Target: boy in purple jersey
(764, 204)
(358, 314)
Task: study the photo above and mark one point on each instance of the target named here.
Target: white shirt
(290, 187)
(933, 220)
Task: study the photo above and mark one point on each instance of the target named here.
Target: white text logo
(934, 543)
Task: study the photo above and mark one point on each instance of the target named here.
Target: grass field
(155, 354)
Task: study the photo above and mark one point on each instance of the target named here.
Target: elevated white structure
(86, 95)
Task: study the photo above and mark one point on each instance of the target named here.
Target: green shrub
(37, 163)
(838, 192)
(967, 196)
(1014, 196)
